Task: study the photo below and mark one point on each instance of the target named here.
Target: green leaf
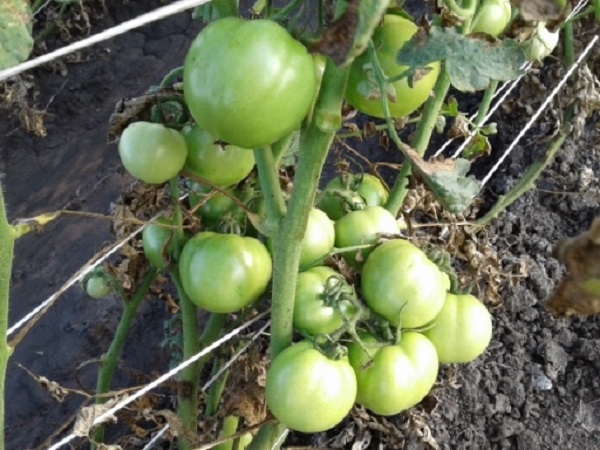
(478, 145)
(369, 87)
(472, 62)
(16, 41)
(454, 189)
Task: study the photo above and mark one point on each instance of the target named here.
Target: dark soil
(537, 387)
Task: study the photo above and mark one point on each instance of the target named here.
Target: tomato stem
(7, 243)
(421, 140)
(109, 361)
(268, 176)
(314, 146)
(486, 102)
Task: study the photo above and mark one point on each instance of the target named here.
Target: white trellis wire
(108, 415)
(541, 109)
(139, 21)
(156, 437)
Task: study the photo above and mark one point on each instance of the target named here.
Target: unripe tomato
(492, 17)
(462, 330)
(398, 377)
(221, 165)
(368, 187)
(158, 242)
(311, 314)
(223, 273)
(360, 227)
(152, 152)
(307, 391)
(388, 39)
(400, 283)
(96, 286)
(248, 83)
(319, 239)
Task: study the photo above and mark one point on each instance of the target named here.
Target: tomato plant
(388, 39)
(492, 17)
(398, 377)
(152, 152)
(364, 226)
(462, 330)
(318, 239)
(369, 190)
(224, 273)
(157, 242)
(221, 165)
(314, 313)
(400, 283)
(248, 83)
(307, 391)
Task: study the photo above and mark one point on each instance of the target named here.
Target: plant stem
(421, 141)
(269, 437)
(187, 402)
(486, 102)
(527, 181)
(7, 244)
(314, 146)
(111, 358)
(268, 176)
(568, 44)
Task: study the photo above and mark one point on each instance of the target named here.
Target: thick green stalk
(7, 244)
(269, 437)
(526, 182)
(187, 402)
(421, 141)
(314, 146)
(110, 360)
(486, 102)
(568, 44)
(269, 183)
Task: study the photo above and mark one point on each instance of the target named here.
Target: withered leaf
(579, 290)
(539, 10)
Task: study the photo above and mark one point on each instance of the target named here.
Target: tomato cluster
(249, 84)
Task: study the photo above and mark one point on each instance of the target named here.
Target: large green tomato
(360, 227)
(158, 242)
(248, 83)
(152, 152)
(368, 187)
(221, 165)
(398, 377)
(223, 273)
(307, 391)
(492, 17)
(462, 329)
(312, 315)
(400, 283)
(388, 39)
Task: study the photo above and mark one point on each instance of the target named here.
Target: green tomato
(223, 273)
(213, 210)
(307, 391)
(492, 17)
(158, 242)
(462, 329)
(367, 187)
(388, 39)
(312, 315)
(318, 239)
(360, 227)
(401, 284)
(248, 83)
(398, 377)
(221, 165)
(96, 286)
(152, 152)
